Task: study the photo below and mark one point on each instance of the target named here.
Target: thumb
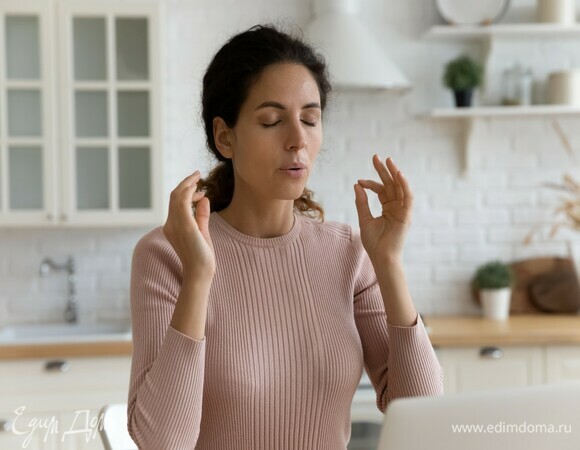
(202, 211)
(362, 206)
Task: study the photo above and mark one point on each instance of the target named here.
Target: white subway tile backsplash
(459, 221)
(417, 236)
(459, 200)
(484, 217)
(479, 254)
(482, 181)
(513, 198)
(503, 235)
(431, 255)
(433, 219)
(455, 236)
(453, 274)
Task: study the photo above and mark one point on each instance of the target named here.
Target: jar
(562, 12)
(564, 87)
(517, 86)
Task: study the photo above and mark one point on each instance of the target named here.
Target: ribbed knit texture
(291, 320)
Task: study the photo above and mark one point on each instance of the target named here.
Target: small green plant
(462, 73)
(493, 275)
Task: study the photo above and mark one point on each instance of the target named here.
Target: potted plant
(494, 282)
(462, 74)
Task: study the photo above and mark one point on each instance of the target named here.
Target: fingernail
(196, 172)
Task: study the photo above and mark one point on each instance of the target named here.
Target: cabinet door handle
(56, 365)
(491, 352)
(5, 425)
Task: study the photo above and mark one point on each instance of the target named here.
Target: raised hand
(383, 236)
(188, 232)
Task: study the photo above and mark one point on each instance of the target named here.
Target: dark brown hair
(226, 83)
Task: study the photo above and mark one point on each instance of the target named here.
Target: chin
(292, 194)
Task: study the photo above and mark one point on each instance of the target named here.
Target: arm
(399, 360)
(399, 357)
(167, 372)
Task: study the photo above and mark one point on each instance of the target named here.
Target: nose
(296, 139)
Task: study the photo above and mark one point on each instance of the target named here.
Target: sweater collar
(252, 241)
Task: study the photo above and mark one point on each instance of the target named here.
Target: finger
(385, 176)
(202, 211)
(407, 193)
(373, 185)
(376, 187)
(362, 206)
(397, 183)
(188, 181)
(188, 206)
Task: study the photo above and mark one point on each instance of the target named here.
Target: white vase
(496, 303)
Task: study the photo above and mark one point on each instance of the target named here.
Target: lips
(293, 166)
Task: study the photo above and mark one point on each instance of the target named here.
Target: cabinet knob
(5, 425)
(56, 365)
(64, 217)
(49, 216)
(491, 352)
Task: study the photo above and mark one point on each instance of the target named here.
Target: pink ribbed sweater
(291, 321)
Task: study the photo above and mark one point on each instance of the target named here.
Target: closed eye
(268, 125)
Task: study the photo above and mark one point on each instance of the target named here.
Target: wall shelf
(528, 30)
(504, 111)
(473, 119)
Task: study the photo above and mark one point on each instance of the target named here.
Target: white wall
(459, 222)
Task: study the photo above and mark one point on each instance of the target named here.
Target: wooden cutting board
(525, 271)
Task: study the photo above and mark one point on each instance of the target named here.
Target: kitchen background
(460, 220)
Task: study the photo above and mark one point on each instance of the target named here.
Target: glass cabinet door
(112, 142)
(25, 138)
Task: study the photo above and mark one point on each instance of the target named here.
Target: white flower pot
(496, 303)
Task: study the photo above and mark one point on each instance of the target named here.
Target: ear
(222, 136)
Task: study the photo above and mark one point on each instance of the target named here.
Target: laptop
(536, 417)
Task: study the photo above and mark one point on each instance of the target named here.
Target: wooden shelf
(473, 119)
(529, 30)
(503, 111)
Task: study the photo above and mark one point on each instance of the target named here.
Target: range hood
(355, 59)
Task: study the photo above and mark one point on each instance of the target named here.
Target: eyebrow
(281, 106)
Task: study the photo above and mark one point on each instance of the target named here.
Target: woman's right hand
(188, 232)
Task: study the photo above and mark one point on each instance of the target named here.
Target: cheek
(316, 143)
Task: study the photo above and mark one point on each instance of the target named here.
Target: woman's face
(279, 125)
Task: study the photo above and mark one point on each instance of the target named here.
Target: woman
(252, 321)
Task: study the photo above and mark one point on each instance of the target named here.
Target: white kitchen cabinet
(79, 113)
(481, 368)
(62, 397)
(562, 363)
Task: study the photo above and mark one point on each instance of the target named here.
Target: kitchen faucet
(49, 265)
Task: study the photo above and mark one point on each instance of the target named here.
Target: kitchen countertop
(81, 349)
(528, 329)
(444, 331)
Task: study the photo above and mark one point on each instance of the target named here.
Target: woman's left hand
(383, 236)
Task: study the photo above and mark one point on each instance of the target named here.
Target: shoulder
(154, 246)
(333, 232)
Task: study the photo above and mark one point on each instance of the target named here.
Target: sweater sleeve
(167, 372)
(400, 361)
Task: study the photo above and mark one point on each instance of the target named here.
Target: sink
(41, 333)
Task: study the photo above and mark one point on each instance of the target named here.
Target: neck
(259, 221)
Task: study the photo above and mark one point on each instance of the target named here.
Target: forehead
(286, 83)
